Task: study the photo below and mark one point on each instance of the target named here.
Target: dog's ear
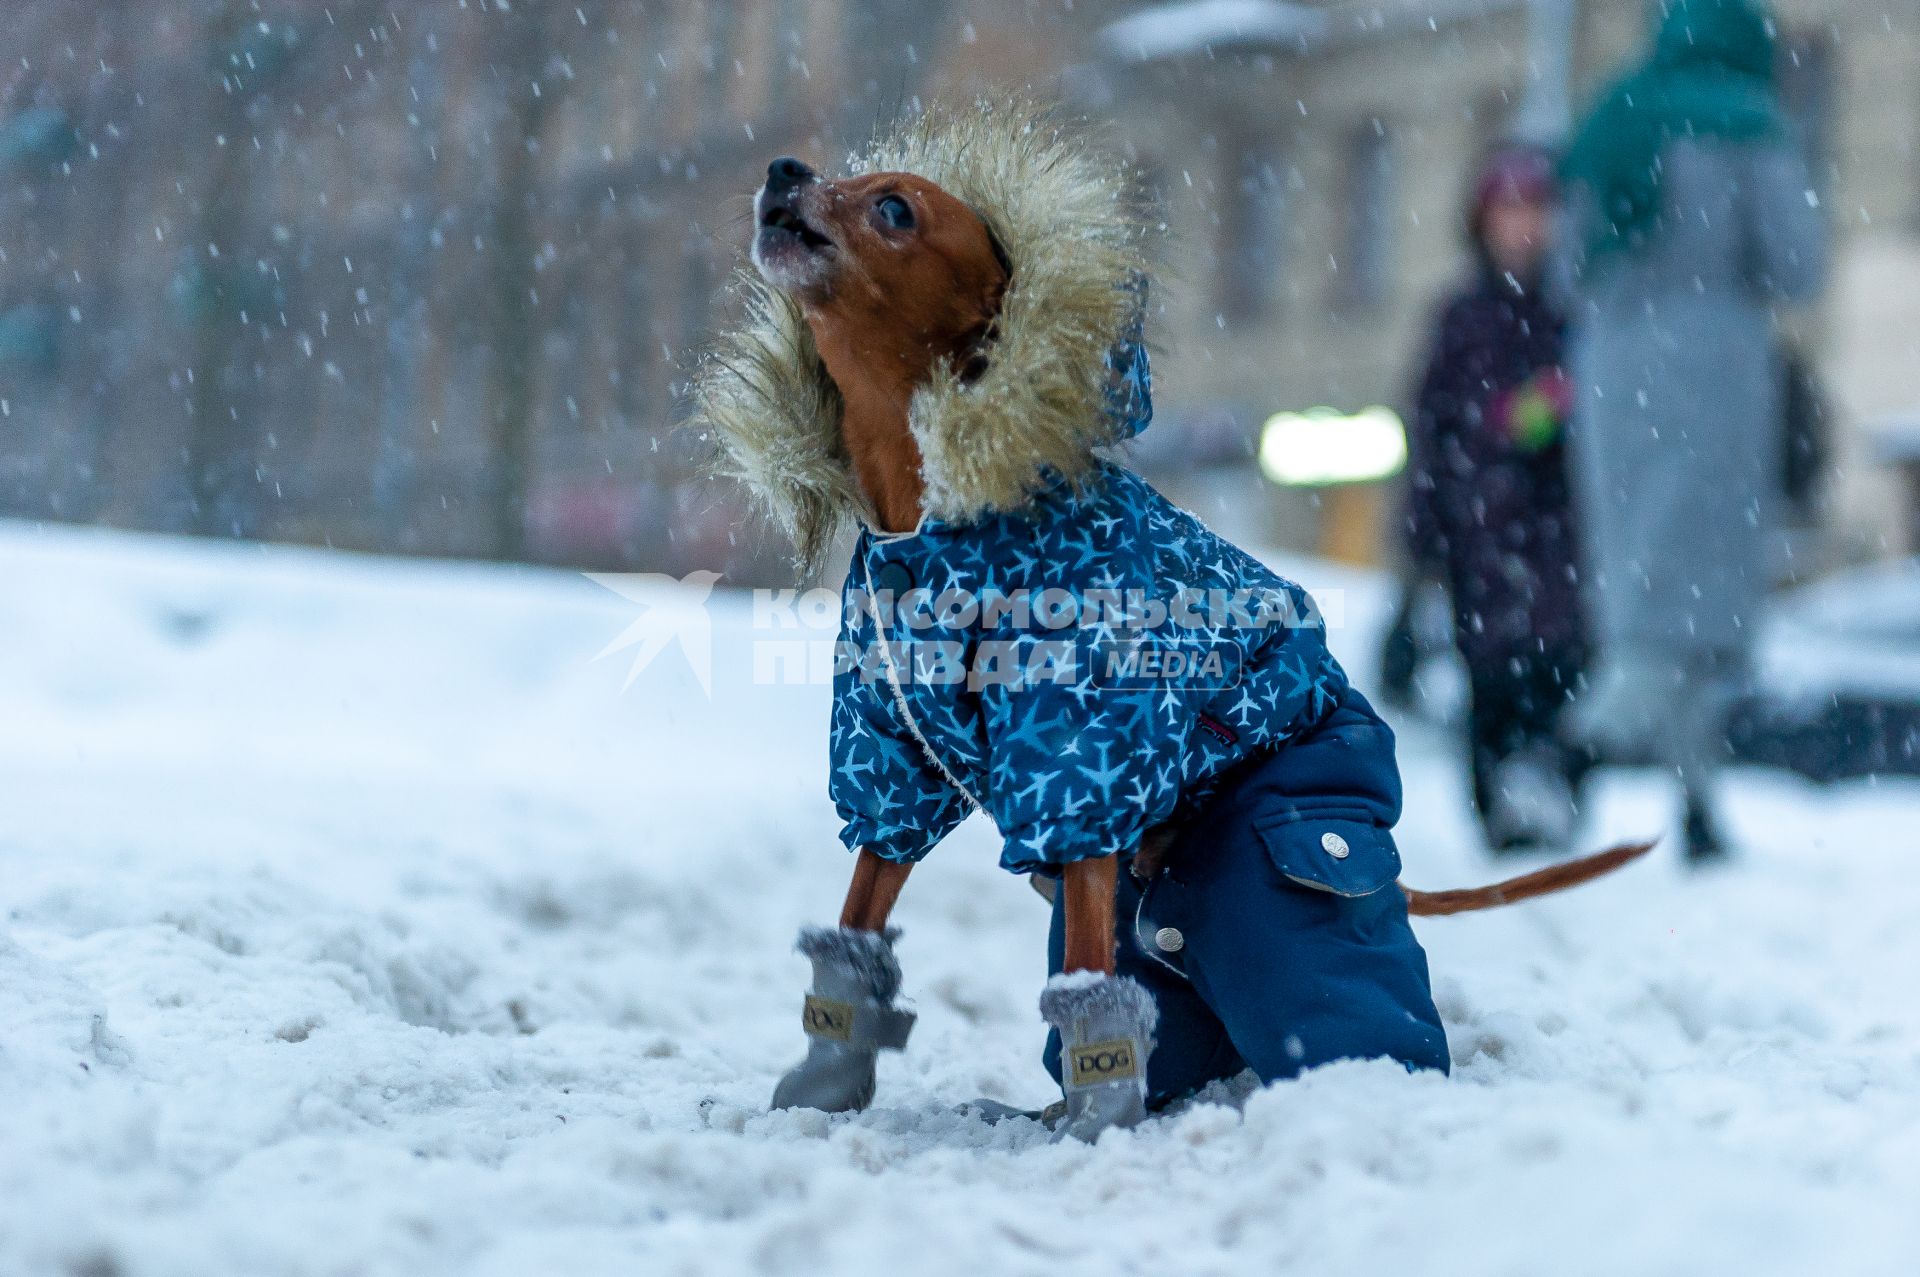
(978, 345)
(978, 353)
(999, 252)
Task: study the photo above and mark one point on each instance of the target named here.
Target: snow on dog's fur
(1064, 214)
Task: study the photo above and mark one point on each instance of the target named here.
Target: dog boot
(849, 1017)
(1106, 1026)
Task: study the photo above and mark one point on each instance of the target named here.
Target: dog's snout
(786, 173)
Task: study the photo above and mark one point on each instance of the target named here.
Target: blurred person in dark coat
(1488, 505)
(1695, 217)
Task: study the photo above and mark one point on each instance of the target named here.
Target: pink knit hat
(1511, 173)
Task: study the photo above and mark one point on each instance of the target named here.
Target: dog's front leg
(874, 891)
(849, 1015)
(1106, 1021)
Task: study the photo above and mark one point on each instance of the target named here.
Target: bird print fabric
(1080, 668)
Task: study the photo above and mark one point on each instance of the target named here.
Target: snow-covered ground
(353, 920)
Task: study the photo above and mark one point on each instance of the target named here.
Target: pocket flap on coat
(1343, 855)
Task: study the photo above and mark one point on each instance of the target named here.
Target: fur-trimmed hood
(1061, 208)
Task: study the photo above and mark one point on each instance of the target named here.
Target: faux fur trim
(764, 403)
(867, 954)
(1063, 210)
(1087, 995)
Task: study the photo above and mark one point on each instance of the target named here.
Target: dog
(944, 363)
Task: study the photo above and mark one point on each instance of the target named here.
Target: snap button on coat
(1334, 845)
(893, 579)
(1170, 940)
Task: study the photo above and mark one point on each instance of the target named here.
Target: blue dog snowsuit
(1276, 938)
(1059, 646)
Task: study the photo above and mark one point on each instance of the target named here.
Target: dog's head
(832, 380)
(888, 262)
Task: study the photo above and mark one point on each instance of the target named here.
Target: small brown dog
(900, 293)
(896, 277)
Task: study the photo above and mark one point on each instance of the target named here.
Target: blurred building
(1315, 160)
(426, 278)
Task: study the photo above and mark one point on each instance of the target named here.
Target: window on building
(1363, 262)
(1492, 120)
(1807, 69)
(790, 23)
(1253, 234)
(720, 58)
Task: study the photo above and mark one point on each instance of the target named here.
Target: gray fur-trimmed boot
(1106, 1026)
(849, 1017)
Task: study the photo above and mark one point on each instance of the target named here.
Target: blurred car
(1837, 691)
(1839, 681)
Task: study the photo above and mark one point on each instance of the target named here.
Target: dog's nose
(786, 173)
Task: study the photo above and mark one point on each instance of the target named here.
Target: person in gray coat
(1696, 218)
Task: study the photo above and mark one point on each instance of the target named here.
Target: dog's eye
(895, 212)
